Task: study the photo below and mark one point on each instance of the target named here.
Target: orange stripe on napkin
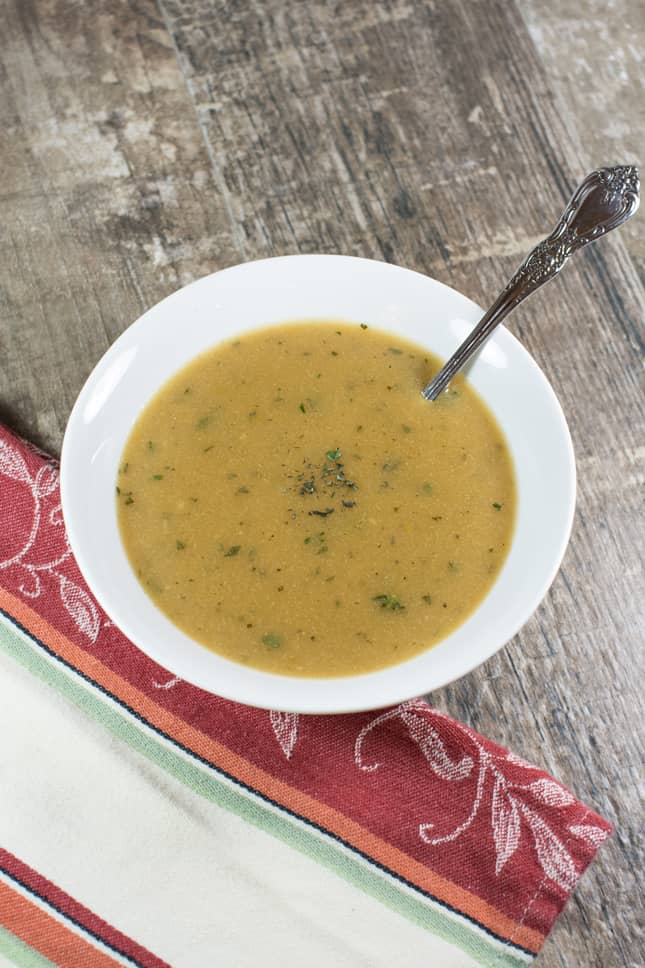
(47, 934)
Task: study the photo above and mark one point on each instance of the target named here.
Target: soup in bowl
(260, 498)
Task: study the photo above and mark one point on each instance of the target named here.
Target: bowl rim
(82, 547)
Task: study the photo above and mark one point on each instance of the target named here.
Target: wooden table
(146, 144)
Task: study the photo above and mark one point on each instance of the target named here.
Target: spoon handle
(603, 201)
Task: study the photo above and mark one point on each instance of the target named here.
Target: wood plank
(148, 146)
(106, 194)
(594, 58)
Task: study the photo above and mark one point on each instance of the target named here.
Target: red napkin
(445, 819)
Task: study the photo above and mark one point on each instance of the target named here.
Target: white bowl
(300, 287)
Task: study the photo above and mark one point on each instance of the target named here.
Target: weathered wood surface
(145, 145)
(594, 55)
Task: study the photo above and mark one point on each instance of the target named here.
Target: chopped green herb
(334, 353)
(124, 469)
(453, 566)
(322, 514)
(338, 333)
(391, 602)
(308, 487)
(157, 477)
(427, 599)
(129, 499)
(302, 408)
(363, 325)
(232, 551)
(406, 429)
(319, 541)
(206, 449)
(349, 504)
(118, 490)
(394, 350)
(427, 488)
(334, 454)
(271, 640)
(187, 390)
(243, 490)
(203, 422)
(391, 465)
(498, 507)
(151, 445)
(179, 545)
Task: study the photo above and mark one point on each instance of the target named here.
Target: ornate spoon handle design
(603, 201)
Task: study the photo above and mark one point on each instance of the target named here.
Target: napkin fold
(431, 834)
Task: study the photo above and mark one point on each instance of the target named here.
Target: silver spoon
(603, 201)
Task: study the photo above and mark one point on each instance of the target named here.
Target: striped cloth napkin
(146, 822)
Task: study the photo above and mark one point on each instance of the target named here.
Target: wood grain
(106, 193)
(146, 145)
(594, 58)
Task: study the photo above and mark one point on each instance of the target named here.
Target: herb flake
(271, 640)
(390, 602)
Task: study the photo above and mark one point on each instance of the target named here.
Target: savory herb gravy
(289, 500)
